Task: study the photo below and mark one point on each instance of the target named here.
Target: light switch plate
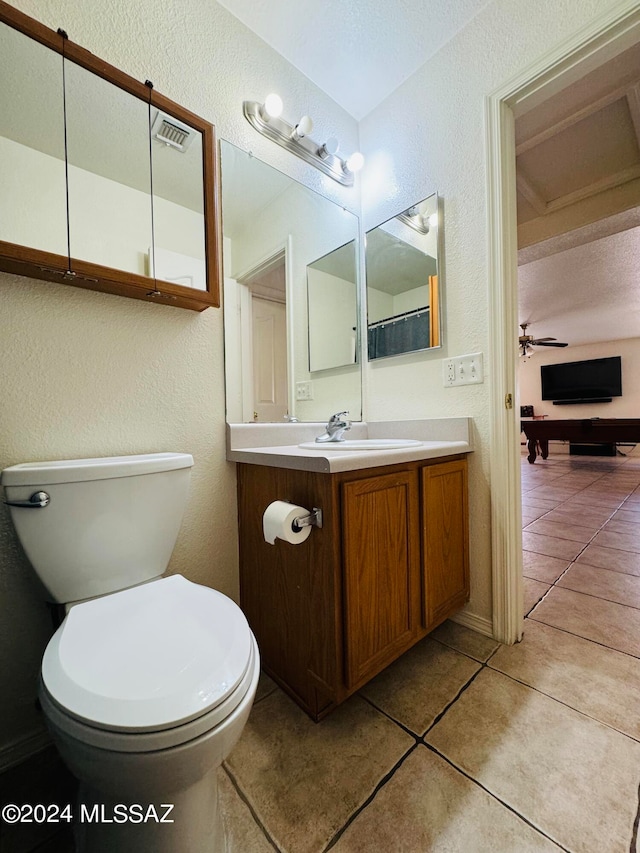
(304, 390)
(463, 370)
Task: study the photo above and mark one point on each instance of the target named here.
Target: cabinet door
(381, 571)
(445, 539)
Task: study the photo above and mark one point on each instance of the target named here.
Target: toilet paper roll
(278, 523)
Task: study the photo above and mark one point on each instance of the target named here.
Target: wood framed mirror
(110, 186)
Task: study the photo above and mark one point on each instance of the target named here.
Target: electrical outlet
(304, 391)
(448, 372)
(464, 370)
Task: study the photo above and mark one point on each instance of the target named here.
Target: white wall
(382, 305)
(429, 136)
(627, 406)
(333, 316)
(89, 374)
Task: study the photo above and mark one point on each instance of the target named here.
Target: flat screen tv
(593, 381)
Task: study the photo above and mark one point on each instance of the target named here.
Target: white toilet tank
(110, 523)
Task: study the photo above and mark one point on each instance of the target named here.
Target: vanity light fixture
(414, 219)
(265, 118)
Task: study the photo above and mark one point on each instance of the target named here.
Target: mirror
(133, 205)
(177, 155)
(33, 208)
(108, 171)
(106, 184)
(404, 281)
(278, 235)
(332, 303)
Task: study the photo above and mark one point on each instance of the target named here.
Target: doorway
(263, 321)
(605, 39)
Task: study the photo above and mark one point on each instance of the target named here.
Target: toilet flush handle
(38, 500)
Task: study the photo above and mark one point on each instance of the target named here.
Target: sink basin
(361, 444)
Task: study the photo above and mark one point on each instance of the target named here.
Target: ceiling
(578, 199)
(356, 52)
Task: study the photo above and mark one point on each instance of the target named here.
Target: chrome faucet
(336, 428)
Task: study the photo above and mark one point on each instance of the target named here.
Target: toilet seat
(133, 741)
(167, 656)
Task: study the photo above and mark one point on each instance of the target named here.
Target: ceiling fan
(527, 342)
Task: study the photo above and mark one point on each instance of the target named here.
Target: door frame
(281, 249)
(604, 38)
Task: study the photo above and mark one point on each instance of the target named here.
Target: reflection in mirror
(275, 228)
(32, 176)
(178, 202)
(109, 172)
(404, 282)
(333, 309)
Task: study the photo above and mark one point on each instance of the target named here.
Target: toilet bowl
(148, 682)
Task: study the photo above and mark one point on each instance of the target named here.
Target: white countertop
(276, 445)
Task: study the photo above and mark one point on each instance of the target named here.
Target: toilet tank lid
(101, 468)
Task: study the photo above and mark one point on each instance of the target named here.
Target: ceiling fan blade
(548, 344)
(537, 340)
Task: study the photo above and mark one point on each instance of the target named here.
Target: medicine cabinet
(106, 184)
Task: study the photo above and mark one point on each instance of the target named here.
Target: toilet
(148, 682)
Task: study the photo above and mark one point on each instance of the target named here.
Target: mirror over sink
(291, 297)
(404, 281)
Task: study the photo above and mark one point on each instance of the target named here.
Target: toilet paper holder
(313, 519)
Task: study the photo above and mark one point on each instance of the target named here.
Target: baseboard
(475, 623)
(23, 748)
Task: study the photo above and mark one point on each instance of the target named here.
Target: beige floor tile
(540, 567)
(621, 541)
(563, 530)
(242, 832)
(599, 682)
(429, 807)
(594, 499)
(420, 684)
(553, 492)
(610, 558)
(533, 591)
(464, 640)
(572, 777)
(613, 625)
(612, 586)
(529, 515)
(538, 502)
(552, 546)
(629, 515)
(304, 779)
(593, 517)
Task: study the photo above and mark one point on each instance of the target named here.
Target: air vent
(169, 131)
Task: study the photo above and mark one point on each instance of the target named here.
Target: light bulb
(303, 128)
(329, 148)
(355, 162)
(272, 107)
(433, 220)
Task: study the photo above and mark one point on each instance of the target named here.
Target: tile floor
(466, 746)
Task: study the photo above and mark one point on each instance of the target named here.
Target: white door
(269, 360)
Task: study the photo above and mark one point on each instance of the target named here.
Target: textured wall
(429, 136)
(91, 374)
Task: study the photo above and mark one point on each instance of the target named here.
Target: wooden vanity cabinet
(389, 564)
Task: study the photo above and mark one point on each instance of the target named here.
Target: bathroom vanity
(389, 564)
